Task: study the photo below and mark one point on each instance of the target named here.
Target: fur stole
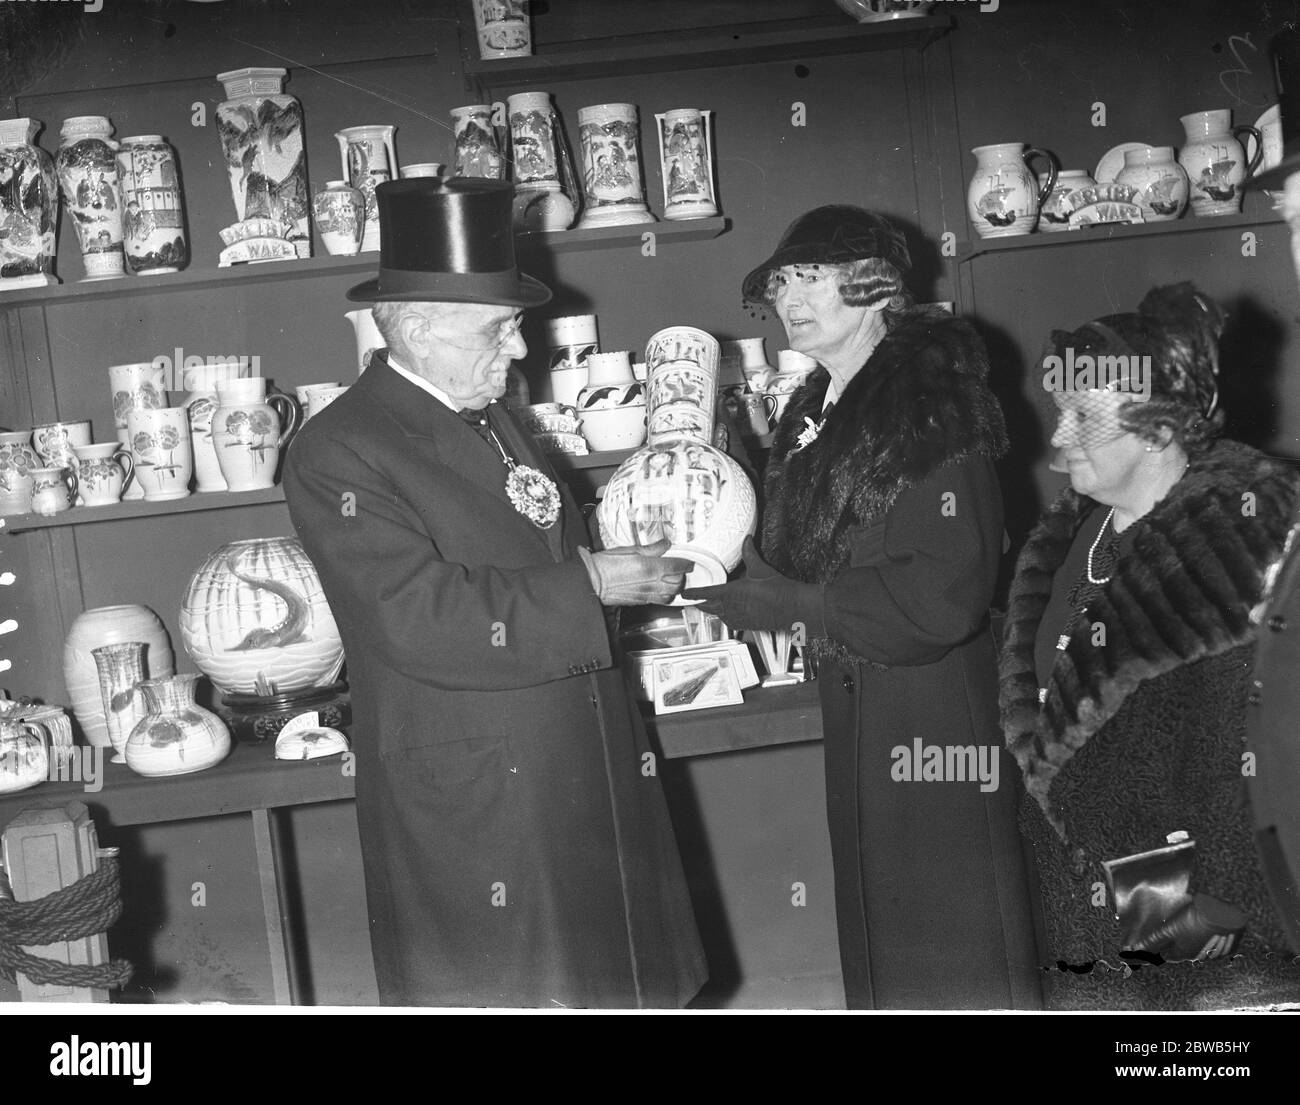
(920, 402)
(1185, 592)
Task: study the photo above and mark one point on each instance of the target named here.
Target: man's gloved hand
(764, 599)
(636, 575)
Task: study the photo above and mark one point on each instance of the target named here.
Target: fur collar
(1185, 592)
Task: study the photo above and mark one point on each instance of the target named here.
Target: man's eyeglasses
(492, 337)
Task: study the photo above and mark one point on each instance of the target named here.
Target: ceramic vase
(475, 149)
(686, 160)
(153, 215)
(1004, 197)
(108, 625)
(503, 30)
(679, 486)
(255, 620)
(1054, 217)
(87, 168)
(537, 158)
(161, 449)
(249, 429)
(1215, 161)
(24, 750)
(176, 736)
(368, 161)
(421, 168)
(1161, 183)
(368, 338)
(754, 365)
(613, 191)
(120, 668)
(612, 405)
(340, 212)
(260, 127)
(29, 207)
(103, 471)
(17, 462)
(139, 386)
(570, 342)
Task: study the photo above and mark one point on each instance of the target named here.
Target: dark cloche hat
(448, 241)
(831, 235)
(1285, 51)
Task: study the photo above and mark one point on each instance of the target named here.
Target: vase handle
(1253, 163)
(1053, 167)
(290, 416)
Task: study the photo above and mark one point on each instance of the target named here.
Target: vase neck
(171, 695)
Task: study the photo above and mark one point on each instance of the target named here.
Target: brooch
(533, 494)
(809, 434)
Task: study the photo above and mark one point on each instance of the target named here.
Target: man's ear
(414, 331)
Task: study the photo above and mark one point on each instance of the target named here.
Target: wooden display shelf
(789, 40)
(363, 265)
(1104, 232)
(142, 508)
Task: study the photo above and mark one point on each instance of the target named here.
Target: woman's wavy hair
(866, 282)
(1178, 327)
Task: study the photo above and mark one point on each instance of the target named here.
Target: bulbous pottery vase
(109, 625)
(256, 622)
(340, 212)
(679, 486)
(1054, 215)
(1161, 182)
(612, 405)
(176, 736)
(29, 205)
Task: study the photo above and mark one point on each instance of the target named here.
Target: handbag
(1161, 919)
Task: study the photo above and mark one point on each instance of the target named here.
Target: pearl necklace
(1095, 542)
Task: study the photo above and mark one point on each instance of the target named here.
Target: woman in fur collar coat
(1126, 673)
(882, 533)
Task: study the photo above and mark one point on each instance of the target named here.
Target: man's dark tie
(478, 419)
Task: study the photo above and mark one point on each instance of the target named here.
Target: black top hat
(1286, 71)
(448, 241)
(831, 235)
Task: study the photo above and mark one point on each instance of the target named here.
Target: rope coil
(87, 907)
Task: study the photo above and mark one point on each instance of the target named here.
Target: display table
(251, 780)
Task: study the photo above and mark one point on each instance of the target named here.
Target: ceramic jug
(1004, 197)
(17, 462)
(1215, 161)
(249, 428)
(1161, 182)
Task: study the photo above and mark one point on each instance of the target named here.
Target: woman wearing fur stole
(881, 536)
(1126, 674)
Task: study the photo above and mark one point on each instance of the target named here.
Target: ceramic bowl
(609, 428)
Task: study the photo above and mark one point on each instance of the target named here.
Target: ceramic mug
(756, 413)
(54, 442)
(17, 461)
(303, 394)
(54, 490)
(105, 470)
(318, 398)
(162, 450)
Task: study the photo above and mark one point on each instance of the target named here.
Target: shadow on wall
(1250, 367)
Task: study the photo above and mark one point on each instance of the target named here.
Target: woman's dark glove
(764, 599)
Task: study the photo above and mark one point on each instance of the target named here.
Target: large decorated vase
(255, 620)
(679, 486)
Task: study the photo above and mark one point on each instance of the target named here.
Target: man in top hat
(1274, 718)
(515, 839)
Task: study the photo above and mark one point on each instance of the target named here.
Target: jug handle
(1259, 146)
(1053, 167)
(769, 407)
(71, 480)
(123, 457)
(290, 417)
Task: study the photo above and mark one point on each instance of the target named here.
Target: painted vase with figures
(369, 160)
(260, 127)
(475, 148)
(256, 622)
(29, 206)
(153, 213)
(340, 212)
(92, 193)
(610, 139)
(679, 486)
